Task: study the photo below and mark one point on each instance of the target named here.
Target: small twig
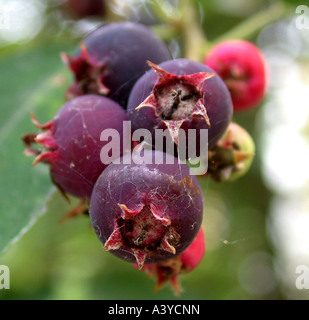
(253, 24)
(158, 7)
(194, 37)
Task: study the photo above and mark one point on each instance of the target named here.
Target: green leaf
(33, 80)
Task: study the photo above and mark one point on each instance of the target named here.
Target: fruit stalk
(253, 24)
(194, 37)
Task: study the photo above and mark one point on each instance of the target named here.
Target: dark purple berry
(72, 142)
(83, 9)
(112, 58)
(146, 213)
(181, 94)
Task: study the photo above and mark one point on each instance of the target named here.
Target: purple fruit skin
(77, 129)
(217, 100)
(83, 9)
(124, 47)
(160, 184)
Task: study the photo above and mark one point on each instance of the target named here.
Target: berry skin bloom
(169, 271)
(72, 142)
(181, 94)
(243, 68)
(112, 58)
(145, 212)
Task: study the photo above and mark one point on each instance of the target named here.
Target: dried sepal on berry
(233, 155)
(45, 139)
(177, 99)
(142, 231)
(169, 271)
(88, 74)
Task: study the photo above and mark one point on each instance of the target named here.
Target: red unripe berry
(192, 257)
(244, 70)
(186, 262)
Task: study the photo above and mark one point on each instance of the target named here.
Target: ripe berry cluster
(144, 210)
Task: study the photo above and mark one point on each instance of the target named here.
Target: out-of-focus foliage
(31, 80)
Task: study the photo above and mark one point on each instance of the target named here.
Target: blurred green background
(257, 228)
